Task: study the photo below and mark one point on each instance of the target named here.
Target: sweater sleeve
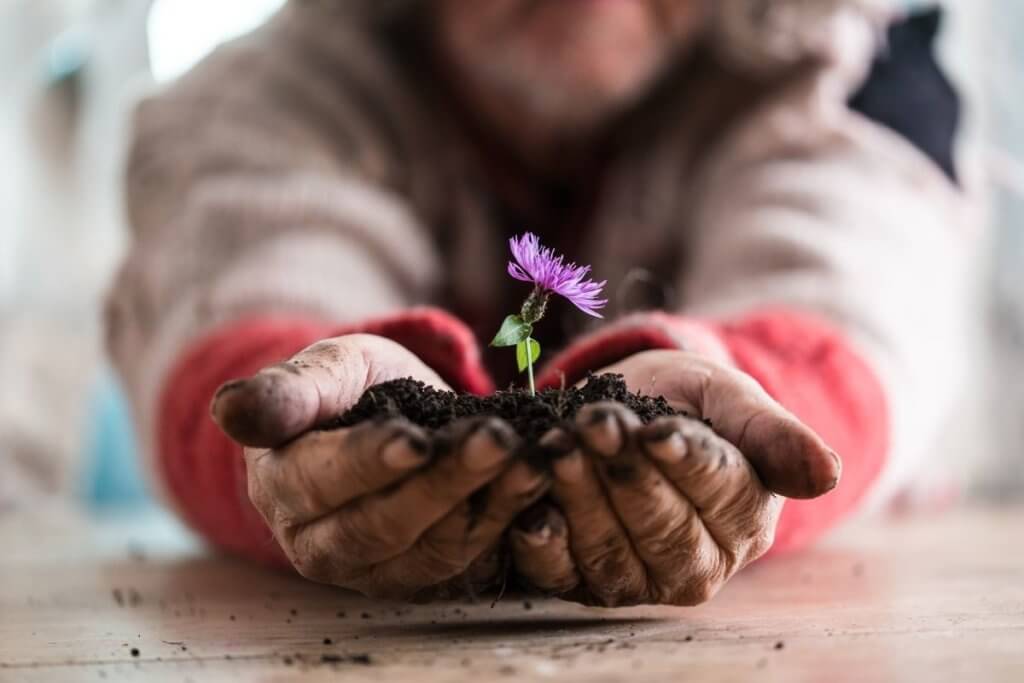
(829, 260)
(265, 185)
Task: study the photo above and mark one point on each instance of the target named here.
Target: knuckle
(665, 534)
(695, 593)
(330, 350)
(748, 526)
(604, 556)
(615, 584)
(441, 556)
(698, 582)
(312, 562)
(663, 546)
(442, 487)
(359, 532)
(691, 590)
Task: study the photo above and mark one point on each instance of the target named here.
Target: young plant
(548, 274)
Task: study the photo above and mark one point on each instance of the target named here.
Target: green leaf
(513, 331)
(521, 352)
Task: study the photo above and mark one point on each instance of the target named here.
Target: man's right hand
(380, 508)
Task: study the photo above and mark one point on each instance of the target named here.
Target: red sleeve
(803, 362)
(204, 472)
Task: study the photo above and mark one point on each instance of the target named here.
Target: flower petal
(548, 271)
(518, 273)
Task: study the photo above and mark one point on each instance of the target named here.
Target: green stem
(529, 367)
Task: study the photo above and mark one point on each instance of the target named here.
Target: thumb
(789, 457)
(319, 383)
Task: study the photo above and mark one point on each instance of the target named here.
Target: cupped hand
(382, 508)
(667, 513)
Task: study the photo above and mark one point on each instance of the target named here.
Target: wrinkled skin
(665, 513)
(380, 508)
(658, 514)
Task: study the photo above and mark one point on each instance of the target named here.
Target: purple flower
(549, 273)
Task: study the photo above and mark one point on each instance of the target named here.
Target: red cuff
(630, 335)
(811, 369)
(204, 471)
(802, 361)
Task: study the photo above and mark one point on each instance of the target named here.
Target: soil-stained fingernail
(569, 470)
(667, 448)
(485, 448)
(502, 434)
(836, 459)
(603, 433)
(557, 443)
(405, 452)
(229, 387)
(659, 430)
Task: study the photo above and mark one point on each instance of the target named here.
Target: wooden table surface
(927, 599)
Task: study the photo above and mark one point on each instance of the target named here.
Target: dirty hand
(666, 513)
(379, 508)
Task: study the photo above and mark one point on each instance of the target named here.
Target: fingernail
(836, 459)
(524, 479)
(485, 448)
(603, 433)
(229, 387)
(659, 431)
(668, 449)
(556, 444)
(569, 469)
(405, 452)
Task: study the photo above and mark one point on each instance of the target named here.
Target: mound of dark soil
(530, 416)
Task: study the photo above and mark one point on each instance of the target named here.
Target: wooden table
(913, 600)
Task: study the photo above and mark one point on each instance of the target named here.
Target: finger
(381, 526)
(540, 550)
(711, 473)
(606, 560)
(789, 457)
(319, 383)
(679, 553)
(475, 527)
(323, 470)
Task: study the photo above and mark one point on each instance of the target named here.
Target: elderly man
(775, 206)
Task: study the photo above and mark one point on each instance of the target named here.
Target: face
(570, 61)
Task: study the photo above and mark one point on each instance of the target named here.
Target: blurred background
(70, 71)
